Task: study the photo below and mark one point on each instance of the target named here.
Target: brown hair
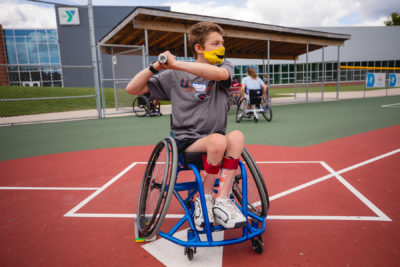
(252, 73)
(198, 33)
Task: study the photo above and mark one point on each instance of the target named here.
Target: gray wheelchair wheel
(241, 109)
(157, 187)
(141, 106)
(257, 194)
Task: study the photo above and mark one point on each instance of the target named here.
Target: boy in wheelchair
(198, 92)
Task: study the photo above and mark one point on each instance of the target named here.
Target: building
(32, 56)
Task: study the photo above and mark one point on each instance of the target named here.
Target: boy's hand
(171, 61)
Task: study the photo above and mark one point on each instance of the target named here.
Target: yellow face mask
(215, 56)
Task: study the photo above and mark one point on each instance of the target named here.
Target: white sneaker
(198, 214)
(227, 214)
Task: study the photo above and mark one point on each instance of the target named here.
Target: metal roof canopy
(161, 30)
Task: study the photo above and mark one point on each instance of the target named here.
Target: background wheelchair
(253, 105)
(164, 178)
(143, 106)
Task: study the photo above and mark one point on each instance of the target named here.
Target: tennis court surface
(333, 203)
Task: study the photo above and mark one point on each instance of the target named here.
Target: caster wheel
(189, 252)
(258, 245)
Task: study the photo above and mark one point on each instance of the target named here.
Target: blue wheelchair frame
(250, 231)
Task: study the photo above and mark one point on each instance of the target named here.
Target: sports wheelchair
(143, 106)
(251, 106)
(163, 178)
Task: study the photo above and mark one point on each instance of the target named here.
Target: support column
(269, 55)
(295, 78)
(146, 43)
(185, 45)
(307, 74)
(338, 72)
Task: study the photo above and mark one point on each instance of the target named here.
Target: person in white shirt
(252, 82)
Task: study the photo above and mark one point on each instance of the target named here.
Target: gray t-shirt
(199, 106)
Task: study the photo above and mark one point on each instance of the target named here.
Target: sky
(289, 13)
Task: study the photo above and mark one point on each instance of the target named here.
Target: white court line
(118, 215)
(357, 193)
(297, 188)
(396, 105)
(286, 162)
(97, 192)
(326, 218)
(380, 215)
(46, 188)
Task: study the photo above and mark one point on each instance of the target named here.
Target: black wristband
(152, 69)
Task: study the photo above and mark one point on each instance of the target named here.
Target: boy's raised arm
(138, 85)
(204, 70)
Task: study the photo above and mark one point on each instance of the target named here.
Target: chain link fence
(349, 87)
(290, 83)
(48, 72)
(38, 82)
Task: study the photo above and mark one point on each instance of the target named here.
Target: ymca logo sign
(68, 15)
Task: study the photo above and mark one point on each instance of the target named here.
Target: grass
(29, 107)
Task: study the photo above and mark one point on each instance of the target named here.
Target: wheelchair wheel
(241, 109)
(157, 187)
(267, 113)
(141, 106)
(257, 194)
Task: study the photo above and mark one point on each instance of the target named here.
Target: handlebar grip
(162, 58)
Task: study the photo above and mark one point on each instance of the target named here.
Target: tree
(393, 19)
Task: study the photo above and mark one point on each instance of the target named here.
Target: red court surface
(332, 204)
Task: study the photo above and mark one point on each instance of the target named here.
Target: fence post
(94, 57)
(338, 72)
(323, 72)
(101, 73)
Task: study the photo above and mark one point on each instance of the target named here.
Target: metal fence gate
(118, 64)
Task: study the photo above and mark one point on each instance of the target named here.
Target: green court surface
(292, 125)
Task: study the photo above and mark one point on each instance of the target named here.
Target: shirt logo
(200, 89)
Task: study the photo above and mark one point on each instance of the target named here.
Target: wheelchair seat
(195, 158)
(255, 96)
(251, 106)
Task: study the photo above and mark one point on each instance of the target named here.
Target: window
(44, 54)
(300, 67)
(260, 69)
(238, 69)
(33, 54)
(11, 53)
(21, 54)
(32, 47)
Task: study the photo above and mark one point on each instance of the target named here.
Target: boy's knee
(218, 144)
(236, 137)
